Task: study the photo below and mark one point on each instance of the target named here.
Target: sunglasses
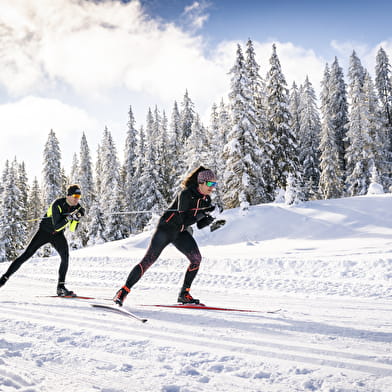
(76, 196)
(211, 183)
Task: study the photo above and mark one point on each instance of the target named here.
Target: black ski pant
(162, 237)
(58, 241)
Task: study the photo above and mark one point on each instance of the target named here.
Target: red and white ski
(206, 307)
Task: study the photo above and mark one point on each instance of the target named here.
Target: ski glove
(205, 221)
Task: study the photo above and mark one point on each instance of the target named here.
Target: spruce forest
(266, 141)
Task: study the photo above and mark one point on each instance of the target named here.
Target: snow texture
(325, 264)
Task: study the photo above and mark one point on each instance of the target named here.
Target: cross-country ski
(116, 309)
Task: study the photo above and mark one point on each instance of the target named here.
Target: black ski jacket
(189, 207)
(55, 220)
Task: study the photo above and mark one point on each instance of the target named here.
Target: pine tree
(187, 115)
(52, 173)
(331, 182)
(358, 150)
(176, 151)
(128, 171)
(35, 207)
(109, 198)
(384, 88)
(196, 153)
(74, 174)
(149, 183)
(338, 110)
(242, 183)
(12, 214)
(141, 219)
(284, 144)
(377, 138)
(309, 140)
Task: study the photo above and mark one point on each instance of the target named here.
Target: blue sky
(313, 24)
(76, 66)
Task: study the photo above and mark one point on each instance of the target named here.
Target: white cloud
(195, 14)
(115, 52)
(26, 123)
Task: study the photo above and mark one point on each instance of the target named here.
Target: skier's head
(193, 178)
(74, 189)
(73, 194)
(206, 175)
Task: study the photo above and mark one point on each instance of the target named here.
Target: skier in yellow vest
(63, 212)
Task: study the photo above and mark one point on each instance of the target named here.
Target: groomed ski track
(314, 343)
(326, 264)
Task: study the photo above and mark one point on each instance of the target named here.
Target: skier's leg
(39, 239)
(60, 243)
(186, 244)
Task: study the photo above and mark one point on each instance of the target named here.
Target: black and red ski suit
(189, 207)
(51, 230)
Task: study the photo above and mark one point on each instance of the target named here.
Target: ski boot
(120, 296)
(3, 279)
(185, 297)
(62, 291)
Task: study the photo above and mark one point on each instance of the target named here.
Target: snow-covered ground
(327, 265)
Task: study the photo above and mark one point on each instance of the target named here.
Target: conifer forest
(266, 141)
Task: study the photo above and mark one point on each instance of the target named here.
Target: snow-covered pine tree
(242, 182)
(196, 149)
(110, 197)
(141, 219)
(149, 182)
(309, 140)
(96, 233)
(358, 150)
(284, 155)
(162, 154)
(12, 213)
(24, 189)
(187, 115)
(384, 88)
(294, 107)
(331, 182)
(375, 187)
(176, 151)
(35, 207)
(52, 181)
(338, 110)
(258, 107)
(74, 173)
(215, 150)
(84, 177)
(377, 136)
(128, 171)
(383, 84)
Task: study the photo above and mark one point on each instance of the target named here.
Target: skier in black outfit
(61, 213)
(191, 205)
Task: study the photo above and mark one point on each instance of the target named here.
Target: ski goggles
(211, 183)
(77, 196)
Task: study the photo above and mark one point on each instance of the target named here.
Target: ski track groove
(259, 348)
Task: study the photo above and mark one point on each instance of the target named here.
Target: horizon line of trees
(267, 143)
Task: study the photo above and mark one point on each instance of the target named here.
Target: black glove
(73, 216)
(81, 210)
(217, 224)
(209, 209)
(205, 221)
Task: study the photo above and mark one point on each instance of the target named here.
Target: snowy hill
(326, 264)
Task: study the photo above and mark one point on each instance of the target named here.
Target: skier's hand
(205, 221)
